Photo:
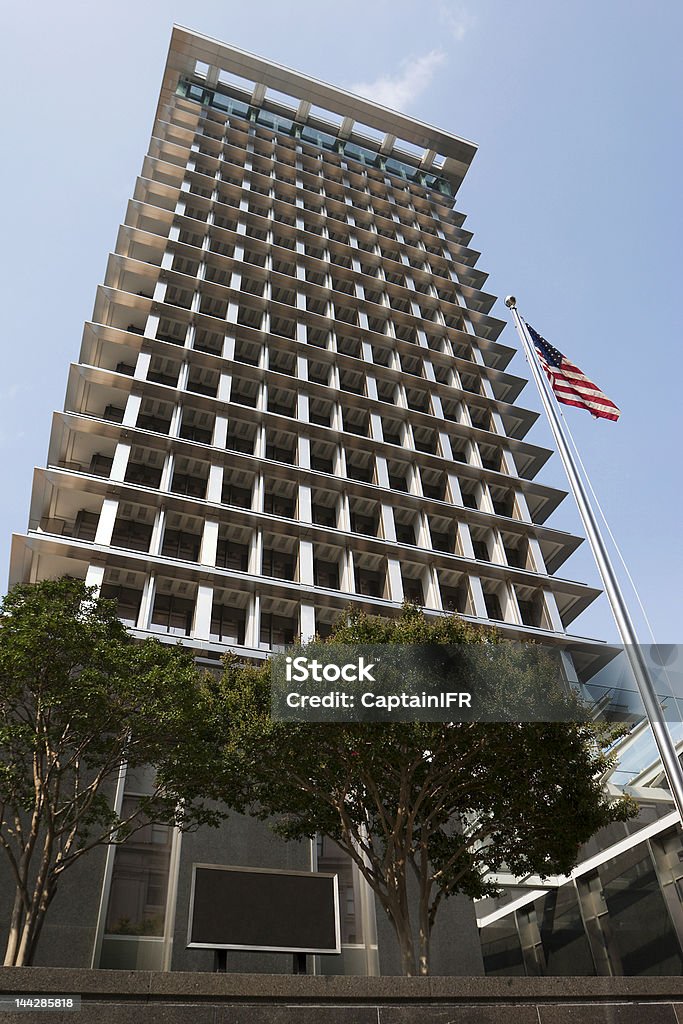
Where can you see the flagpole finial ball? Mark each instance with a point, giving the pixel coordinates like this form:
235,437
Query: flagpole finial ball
511,302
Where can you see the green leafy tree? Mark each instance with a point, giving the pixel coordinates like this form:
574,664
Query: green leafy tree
445,803
79,698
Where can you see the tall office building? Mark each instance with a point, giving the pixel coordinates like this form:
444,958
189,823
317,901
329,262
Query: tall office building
290,399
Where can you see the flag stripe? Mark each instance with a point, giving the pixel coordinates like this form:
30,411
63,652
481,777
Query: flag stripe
594,398
570,385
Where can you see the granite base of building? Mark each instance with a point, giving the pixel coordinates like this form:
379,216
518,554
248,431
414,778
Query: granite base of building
146,997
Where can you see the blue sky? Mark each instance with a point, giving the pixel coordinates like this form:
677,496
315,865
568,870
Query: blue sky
574,198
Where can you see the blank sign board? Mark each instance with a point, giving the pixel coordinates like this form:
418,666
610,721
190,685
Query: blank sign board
260,909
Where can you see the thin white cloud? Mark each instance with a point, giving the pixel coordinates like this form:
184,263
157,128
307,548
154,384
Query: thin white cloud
401,90
456,20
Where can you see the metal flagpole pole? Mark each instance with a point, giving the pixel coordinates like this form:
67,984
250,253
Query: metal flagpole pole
665,745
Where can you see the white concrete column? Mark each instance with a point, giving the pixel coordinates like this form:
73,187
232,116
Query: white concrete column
428,367
465,540
157,538
371,388
220,432
142,365
394,580
305,504
406,433
209,545
497,424
105,524
258,496
483,498
337,417
301,331
224,387
454,492
214,489
497,551
432,590
120,462
130,416
343,513
339,467
201,627
147,603
507,462
537,559
569,668
388,524
382,471
167,473
508,602
445,450
252,632
472,453
303,457
306,562
307,622
151,326
553,612
414,481
376,427
260,446
183,376
477,598
423,538
94,577
348,576
521,507
256,553
176,420
435,402
229,345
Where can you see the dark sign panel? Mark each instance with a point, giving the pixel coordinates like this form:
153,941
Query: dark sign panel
262,909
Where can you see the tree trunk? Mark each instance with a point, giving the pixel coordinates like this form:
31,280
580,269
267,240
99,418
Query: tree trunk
38,922
398,910
25,939
16,922
425,936
425,886
404,935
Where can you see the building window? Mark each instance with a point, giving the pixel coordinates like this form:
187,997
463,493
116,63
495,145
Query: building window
172,615
139,886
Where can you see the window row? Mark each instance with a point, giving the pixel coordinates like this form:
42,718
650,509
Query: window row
373,238
374,251
324,408
324,197
238,618
249,436
235,543
416,298
321,369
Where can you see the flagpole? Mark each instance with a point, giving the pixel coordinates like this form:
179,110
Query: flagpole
627,631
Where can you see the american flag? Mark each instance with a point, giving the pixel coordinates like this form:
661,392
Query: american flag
570,385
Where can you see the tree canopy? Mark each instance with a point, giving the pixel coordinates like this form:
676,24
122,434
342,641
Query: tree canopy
448,803
79,697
